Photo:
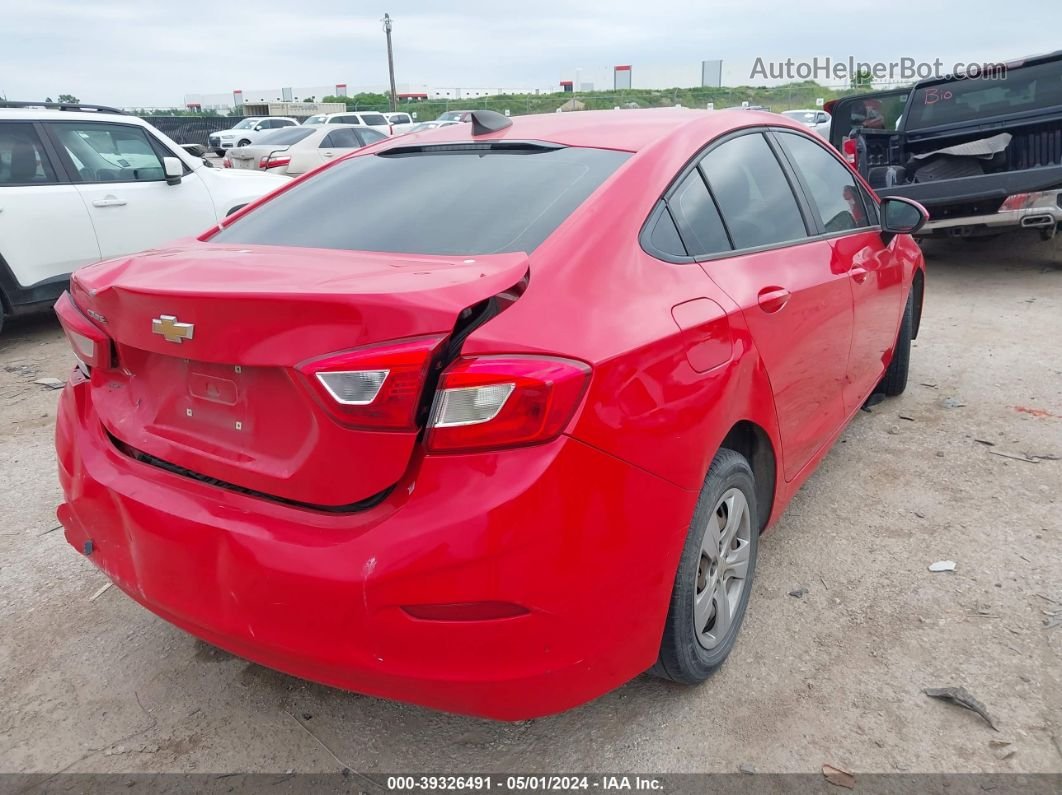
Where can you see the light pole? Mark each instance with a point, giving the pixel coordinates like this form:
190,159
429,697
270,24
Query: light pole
390,61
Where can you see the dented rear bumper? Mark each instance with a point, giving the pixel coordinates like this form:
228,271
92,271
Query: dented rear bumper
585,544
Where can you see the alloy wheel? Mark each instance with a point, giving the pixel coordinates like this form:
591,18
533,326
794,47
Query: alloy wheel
722,571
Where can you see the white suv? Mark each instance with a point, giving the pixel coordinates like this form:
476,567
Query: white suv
371,119
247,132
79,185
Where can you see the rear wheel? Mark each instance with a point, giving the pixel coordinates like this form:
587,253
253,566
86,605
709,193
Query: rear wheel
895,380
714,577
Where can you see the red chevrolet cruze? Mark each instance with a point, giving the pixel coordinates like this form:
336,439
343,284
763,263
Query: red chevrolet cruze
491,418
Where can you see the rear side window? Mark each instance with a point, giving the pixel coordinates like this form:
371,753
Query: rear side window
371,136
22,158
754,196
835,193
288,135
341,138
697,217
452,201
664,237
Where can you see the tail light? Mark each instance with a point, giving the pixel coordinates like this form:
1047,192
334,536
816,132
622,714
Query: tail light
273,161
849,148
376,387
1020,201
226,163
91,346
504,401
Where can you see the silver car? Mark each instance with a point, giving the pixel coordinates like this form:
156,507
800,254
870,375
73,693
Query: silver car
300,149
816,120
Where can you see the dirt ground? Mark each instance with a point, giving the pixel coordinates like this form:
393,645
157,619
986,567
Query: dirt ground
99,685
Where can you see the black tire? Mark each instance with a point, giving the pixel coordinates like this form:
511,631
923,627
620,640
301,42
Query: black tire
219,152
683,658
244,142
895,380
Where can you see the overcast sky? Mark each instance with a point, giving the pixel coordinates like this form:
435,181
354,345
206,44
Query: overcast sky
151,53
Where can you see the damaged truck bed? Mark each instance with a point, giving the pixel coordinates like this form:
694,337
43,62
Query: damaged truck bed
983,155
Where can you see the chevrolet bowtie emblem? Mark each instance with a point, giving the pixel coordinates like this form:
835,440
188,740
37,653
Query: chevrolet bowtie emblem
172,329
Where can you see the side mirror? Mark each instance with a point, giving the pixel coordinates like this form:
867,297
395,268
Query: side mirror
258,127
174,170
900,216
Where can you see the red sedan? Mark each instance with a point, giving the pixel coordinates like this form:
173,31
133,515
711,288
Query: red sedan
491,418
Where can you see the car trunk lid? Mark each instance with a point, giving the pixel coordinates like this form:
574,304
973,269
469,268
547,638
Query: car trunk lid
209,340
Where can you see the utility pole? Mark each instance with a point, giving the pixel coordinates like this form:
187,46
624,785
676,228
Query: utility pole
390,61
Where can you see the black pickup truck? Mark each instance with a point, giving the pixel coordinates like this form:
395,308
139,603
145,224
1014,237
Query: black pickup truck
983,155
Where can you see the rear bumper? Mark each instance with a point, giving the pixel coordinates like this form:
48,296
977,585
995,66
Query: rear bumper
1036,217
586,543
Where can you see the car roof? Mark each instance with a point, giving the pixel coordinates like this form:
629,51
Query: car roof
626,130
68,115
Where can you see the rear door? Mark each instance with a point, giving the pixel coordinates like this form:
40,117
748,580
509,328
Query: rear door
849,219
792,291
45,230
119,174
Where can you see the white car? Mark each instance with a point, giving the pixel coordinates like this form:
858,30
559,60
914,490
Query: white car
400,121
79,186
247,132
431,125
296,151
815,120
370,119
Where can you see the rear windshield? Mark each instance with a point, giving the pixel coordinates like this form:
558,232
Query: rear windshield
373,118
289,135
1026,88
440,202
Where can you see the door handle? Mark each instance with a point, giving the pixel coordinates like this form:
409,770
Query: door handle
859,275
772,299
109,201
327,154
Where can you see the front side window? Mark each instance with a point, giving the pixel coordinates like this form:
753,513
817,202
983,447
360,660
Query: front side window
753,194
22,157
104,152
374,119
834,190
344,120
469,201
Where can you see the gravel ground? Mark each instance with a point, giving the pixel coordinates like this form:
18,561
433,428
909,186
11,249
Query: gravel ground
834,676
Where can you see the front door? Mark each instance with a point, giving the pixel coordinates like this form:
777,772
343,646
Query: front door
124,187
848,218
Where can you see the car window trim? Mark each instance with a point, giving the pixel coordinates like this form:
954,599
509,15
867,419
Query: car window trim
75,175
645,235
807,188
